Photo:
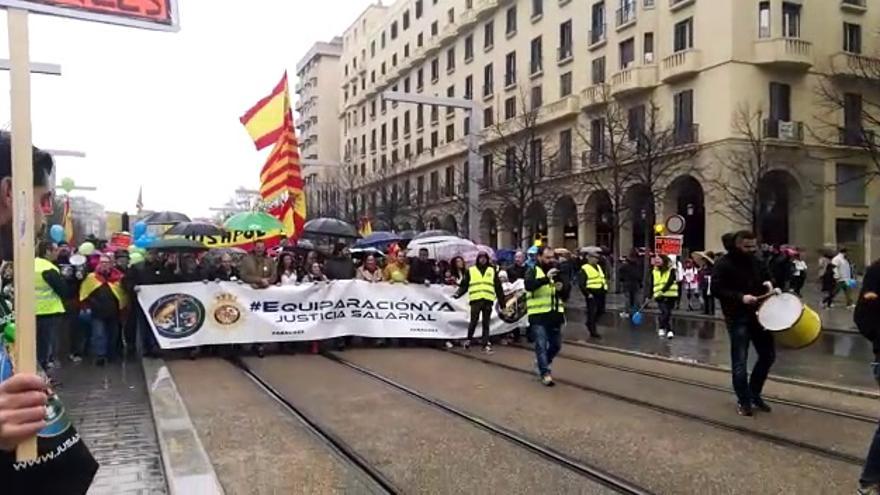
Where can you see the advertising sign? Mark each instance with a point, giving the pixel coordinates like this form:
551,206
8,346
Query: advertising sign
160,15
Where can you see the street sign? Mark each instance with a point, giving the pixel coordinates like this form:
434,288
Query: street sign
160,15
668,245
675,224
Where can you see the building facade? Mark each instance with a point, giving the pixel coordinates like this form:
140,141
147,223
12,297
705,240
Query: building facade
598,87
318,112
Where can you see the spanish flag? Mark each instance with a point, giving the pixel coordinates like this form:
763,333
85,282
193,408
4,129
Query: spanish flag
265,121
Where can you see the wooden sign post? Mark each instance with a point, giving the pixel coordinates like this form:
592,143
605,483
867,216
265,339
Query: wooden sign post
159,15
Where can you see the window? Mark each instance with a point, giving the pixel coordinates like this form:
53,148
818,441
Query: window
469,88
635,124
450,59
565,84
510,69
791,20
764,19
406,86
420,117
488,117
536,157
683,36
372,49
684,117
597,22
420,146
565,150
419,9
509,164
469,48
537,97
435,184
511,21
510,108
852,38
406,127
488,35
435,140
597,141
450,16
435,114
536,64
420,190
466,126
627,53
565,43
488,80
852,133
626,12
780,107
406,50
394,30
487,172
597,71
449,184
382,68
450,93
420,40
384,134
405,20
649,48
851,182
383,40
420,79
373,140
393,60
537,8
434,29
394,130
435,70
450,133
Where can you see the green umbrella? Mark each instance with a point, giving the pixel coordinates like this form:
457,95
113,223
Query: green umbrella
253,220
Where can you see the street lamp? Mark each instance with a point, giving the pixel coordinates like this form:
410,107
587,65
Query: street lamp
475,170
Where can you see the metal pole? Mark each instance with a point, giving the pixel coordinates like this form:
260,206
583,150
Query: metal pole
475,174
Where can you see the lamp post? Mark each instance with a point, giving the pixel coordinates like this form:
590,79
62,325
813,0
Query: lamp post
475,171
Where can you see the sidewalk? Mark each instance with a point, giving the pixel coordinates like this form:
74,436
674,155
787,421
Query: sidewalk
838,318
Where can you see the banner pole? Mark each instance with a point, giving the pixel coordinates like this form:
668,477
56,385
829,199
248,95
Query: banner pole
22,205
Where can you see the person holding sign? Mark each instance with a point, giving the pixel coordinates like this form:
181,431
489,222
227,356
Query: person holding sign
665,293
483,287
593,285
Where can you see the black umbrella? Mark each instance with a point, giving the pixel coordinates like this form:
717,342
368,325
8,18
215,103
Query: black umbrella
433,233
165,218
178,244
331,227
195,229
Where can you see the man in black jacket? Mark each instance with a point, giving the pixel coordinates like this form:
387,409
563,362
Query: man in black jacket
738,280
421,270
517,271
867,319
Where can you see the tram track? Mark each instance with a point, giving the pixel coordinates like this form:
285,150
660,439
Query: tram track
783,441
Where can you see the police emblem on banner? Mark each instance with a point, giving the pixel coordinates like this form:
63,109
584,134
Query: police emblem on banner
227,311
177,316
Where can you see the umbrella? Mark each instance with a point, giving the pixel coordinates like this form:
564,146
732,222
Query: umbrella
331,227
701,254
177,244
366,251
591,250
165,218
377,238
470,257
232,251
433,233
305,244
253,220
441,248
194,229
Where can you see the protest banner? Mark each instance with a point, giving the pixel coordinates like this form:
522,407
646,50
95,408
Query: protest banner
236,238
668,245
195,314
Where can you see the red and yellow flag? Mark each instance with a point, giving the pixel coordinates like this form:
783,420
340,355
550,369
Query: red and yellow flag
366,227
67,221
265,121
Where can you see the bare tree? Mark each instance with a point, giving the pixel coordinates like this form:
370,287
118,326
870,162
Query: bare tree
347,182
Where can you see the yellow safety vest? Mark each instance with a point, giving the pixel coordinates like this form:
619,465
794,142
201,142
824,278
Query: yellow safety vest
482,287
47,301
595,277
543,300
660,279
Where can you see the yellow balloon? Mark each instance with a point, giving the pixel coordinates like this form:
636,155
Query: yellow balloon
659,228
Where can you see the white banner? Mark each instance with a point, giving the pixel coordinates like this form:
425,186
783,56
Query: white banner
194,314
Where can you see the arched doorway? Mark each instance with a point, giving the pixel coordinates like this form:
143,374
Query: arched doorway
536,220
565,223
640,205
778,197
489,228
449,223
685,197
600,213
510,221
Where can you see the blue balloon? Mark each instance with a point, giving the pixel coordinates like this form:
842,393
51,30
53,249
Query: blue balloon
852,283
637,318
140,228
56,232
144,241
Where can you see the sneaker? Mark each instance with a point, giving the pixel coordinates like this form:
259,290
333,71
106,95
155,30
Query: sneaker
595,336
75,359
670,334
448,344
465,344
547,381
743,409
869,490
851,307
623,315
661,333
759,404
487,349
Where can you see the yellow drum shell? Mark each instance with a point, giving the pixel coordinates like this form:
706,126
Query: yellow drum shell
793,324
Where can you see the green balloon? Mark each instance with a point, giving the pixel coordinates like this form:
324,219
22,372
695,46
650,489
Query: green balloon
67,184
136,258
86,248
9,332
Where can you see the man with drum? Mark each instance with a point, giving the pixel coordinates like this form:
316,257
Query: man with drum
740,281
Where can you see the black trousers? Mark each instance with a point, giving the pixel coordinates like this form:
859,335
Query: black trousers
478,308
593,314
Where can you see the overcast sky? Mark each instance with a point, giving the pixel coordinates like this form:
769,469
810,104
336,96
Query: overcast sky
160,110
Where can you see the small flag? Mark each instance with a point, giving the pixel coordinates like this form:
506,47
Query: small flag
140,200
366,227
265,121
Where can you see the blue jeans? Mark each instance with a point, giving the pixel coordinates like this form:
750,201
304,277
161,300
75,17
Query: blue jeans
548,341
105,337
871,471
743,331
48,327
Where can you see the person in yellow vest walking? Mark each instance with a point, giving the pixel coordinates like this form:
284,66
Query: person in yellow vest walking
483,288
102,294
665,293
594,286
545,305
48,303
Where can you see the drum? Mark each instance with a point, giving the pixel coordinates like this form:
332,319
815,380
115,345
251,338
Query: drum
793,323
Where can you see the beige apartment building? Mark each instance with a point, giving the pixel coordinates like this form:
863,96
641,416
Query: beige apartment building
696,63
318,124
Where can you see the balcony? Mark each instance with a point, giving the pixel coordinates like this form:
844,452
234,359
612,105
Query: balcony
625,17
299,87
594,96
466,20
485,8
447,34
675,5
634,79
785,53
597,37
685,134
783,130
844,64
681,65
854,6
857,137
560,109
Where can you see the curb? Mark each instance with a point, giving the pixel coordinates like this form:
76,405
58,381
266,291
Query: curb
188,469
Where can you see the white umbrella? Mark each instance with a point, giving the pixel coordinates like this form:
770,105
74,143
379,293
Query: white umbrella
441,247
